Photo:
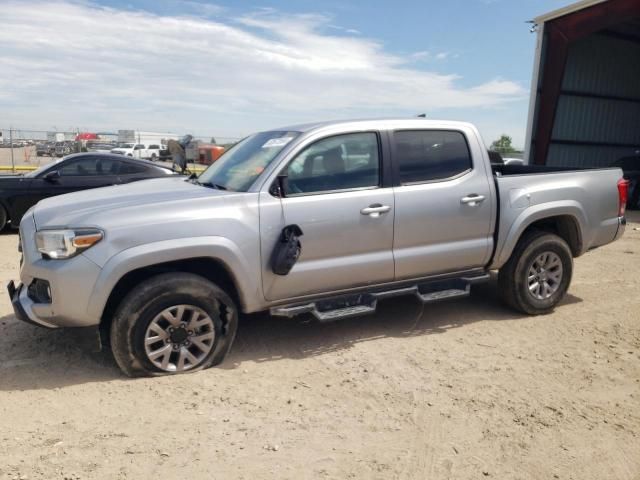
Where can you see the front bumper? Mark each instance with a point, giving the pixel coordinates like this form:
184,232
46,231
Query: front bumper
70,285
22,304
87,337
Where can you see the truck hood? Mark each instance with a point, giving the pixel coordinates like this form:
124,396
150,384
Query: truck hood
108,205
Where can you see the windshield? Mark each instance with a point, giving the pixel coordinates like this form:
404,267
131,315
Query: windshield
239,167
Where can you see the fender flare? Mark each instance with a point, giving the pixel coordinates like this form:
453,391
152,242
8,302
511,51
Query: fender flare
150,254
534,214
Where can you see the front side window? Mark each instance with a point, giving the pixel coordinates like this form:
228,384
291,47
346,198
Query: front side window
342,162
428,155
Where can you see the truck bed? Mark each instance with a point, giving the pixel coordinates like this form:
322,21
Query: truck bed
586,196
533,169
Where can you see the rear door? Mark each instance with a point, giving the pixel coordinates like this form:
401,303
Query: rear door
338,195
443,199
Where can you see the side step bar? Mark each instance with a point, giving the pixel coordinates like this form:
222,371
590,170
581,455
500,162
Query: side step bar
354,305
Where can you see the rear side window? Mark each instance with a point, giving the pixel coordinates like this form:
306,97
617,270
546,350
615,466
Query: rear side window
127,168
427,155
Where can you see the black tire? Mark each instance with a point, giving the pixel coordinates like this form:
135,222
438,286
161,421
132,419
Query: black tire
146,302
4,218
513,278
153,157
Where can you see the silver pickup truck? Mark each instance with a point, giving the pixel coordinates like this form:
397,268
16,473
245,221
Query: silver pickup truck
324,220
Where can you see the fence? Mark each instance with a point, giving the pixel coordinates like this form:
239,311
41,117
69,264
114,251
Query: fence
26,149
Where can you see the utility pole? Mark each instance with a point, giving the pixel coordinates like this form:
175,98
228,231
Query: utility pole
13,164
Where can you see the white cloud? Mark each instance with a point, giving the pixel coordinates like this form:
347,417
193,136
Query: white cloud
201,8
97,67
421,55
442,55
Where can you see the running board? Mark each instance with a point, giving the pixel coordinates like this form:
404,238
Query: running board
355,305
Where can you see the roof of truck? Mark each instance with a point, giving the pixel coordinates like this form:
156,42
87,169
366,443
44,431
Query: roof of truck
412,122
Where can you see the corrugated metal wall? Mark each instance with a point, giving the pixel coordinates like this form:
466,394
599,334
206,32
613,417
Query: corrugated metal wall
598,66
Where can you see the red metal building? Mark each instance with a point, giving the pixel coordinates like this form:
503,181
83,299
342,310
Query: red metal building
585,99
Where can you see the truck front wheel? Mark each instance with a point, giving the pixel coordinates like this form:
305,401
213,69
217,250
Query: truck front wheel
173,323
538,273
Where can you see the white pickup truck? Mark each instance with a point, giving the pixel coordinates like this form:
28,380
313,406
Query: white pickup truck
139,150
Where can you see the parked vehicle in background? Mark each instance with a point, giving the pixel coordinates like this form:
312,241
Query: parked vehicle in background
129,149
99,147
139,150
46,149
65,148
153,152
75,172
209,153
323,219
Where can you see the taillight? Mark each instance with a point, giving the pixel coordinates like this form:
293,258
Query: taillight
623,196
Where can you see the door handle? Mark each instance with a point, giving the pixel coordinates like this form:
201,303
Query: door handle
472,200
375,210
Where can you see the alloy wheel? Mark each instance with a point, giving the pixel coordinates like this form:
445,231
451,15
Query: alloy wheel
179,338
545,275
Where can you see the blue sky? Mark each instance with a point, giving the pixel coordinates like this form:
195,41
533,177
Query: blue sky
229,68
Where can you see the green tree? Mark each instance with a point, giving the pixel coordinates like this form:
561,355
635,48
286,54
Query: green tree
503,144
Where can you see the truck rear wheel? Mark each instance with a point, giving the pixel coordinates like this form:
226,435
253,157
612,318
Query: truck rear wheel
538,273
173,323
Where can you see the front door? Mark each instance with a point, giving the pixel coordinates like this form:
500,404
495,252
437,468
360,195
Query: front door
335,195
444,207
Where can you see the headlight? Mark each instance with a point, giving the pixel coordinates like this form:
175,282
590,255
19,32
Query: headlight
58,244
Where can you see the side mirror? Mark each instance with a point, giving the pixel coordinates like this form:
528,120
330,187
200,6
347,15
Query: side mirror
52,176
280,186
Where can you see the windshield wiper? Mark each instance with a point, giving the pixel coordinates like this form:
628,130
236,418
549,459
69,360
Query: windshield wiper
211,185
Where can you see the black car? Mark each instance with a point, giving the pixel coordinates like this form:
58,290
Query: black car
75,172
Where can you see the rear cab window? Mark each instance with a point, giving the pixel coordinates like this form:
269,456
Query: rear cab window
430,155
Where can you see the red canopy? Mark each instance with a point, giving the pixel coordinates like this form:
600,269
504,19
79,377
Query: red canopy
86,136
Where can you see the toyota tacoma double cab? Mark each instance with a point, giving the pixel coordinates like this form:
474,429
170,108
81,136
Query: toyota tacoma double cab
322,219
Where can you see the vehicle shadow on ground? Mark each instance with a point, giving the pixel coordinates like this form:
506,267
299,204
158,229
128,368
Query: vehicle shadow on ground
262,338
35,358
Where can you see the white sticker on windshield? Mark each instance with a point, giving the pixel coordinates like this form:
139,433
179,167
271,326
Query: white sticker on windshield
277,142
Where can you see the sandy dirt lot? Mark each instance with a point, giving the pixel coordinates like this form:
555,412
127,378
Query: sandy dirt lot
462,389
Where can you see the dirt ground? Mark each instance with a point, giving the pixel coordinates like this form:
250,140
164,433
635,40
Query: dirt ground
461,389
